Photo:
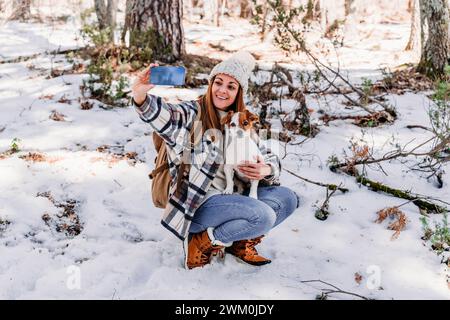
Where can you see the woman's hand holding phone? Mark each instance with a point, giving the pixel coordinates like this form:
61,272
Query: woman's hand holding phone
141,84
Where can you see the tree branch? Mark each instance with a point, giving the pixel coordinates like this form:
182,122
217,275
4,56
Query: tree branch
325,185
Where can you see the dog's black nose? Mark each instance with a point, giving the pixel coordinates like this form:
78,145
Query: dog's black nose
232,124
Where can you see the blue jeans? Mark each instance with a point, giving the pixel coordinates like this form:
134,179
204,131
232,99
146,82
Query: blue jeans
237,217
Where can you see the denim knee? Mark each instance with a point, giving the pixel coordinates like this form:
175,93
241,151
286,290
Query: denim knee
263,217
289,198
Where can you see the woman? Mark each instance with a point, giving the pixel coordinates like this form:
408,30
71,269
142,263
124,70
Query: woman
197,212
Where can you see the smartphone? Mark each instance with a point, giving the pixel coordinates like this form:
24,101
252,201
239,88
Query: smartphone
167,76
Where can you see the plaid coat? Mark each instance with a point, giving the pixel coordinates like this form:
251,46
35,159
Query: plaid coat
173,123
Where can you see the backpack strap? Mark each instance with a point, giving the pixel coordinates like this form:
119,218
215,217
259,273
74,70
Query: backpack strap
154,172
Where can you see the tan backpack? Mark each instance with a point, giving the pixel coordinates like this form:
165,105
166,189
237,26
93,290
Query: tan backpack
160,176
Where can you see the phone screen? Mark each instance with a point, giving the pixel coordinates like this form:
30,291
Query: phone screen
167,76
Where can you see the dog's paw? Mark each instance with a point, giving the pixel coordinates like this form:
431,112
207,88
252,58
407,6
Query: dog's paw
253,195
227,191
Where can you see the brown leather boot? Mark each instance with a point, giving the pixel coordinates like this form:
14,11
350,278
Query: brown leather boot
246,251
198,250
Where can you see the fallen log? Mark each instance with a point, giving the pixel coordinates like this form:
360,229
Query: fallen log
420,201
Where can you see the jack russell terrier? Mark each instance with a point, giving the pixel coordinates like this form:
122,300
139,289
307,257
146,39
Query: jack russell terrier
240,145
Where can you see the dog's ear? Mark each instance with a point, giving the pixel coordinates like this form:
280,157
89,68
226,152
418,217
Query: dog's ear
251,117
226,119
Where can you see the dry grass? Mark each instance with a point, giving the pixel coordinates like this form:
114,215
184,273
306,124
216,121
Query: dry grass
56,116
67,220
393,213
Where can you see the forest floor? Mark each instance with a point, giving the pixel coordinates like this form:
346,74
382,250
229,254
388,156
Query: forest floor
75,197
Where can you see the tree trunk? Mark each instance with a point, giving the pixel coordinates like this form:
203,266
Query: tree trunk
264,22
20,10
158,24
126,25
348,7
435,52
324,15
100,10
415,21
111,13
106,15
218,11
246,9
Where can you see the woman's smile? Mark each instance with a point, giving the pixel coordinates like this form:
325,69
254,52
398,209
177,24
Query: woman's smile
224,91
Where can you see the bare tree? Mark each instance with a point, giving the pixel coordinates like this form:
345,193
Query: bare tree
348,5
330,12
106,15
20,10
246,9
435,51
159,22
126,25
106,12
415,21
220,6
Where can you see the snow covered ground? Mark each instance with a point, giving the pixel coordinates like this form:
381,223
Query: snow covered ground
123,252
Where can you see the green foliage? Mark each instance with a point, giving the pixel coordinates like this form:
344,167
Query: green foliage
106,82
85,14
282,20
439,235
439,111
367,89
149,45
14,146
120,87
333,160
99,37
387,78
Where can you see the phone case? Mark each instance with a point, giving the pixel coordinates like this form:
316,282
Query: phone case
167,76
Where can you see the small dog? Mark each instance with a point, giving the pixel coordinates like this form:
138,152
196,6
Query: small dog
240,145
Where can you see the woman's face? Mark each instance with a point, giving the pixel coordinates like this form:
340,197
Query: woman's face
224,91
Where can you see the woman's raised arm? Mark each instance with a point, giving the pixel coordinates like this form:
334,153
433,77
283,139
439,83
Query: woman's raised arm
170,121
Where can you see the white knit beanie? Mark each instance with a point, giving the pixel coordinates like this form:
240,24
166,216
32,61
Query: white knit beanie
239,66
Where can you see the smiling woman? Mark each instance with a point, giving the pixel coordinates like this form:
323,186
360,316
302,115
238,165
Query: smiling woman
224,91
200,209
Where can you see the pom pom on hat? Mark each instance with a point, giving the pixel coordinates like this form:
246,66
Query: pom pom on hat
239,66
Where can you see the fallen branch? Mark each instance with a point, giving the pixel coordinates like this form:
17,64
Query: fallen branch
326,292
325,185
393,155
322,213
418,127
417,199
371,120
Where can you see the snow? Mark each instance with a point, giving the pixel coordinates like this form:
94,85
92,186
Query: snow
124,253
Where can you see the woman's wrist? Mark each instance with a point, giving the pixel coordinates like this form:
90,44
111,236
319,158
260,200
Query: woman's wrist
269,170
139,100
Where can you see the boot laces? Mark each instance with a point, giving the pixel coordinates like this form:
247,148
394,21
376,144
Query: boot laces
250,246
217,252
